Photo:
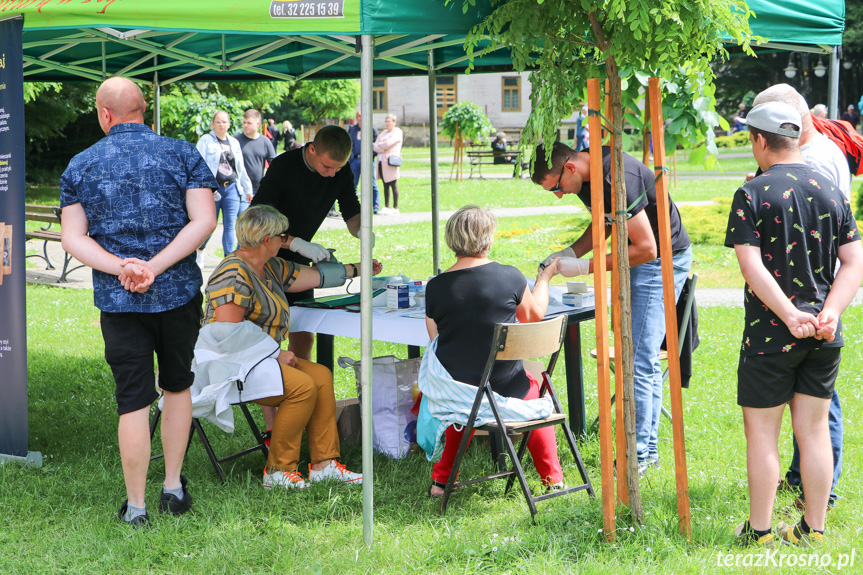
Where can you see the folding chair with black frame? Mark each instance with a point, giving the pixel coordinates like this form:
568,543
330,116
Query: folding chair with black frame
517,341
217,462
683,321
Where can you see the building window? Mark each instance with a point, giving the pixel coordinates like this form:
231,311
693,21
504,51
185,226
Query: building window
447,94
511,94
379,95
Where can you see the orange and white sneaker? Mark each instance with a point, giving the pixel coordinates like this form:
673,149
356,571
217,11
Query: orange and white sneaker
286,479
337,471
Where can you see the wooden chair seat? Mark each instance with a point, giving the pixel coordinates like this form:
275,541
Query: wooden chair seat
514,427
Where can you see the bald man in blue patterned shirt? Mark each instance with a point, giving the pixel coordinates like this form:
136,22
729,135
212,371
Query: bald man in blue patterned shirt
135,207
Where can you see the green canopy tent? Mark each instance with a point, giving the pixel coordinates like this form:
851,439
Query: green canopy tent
164,41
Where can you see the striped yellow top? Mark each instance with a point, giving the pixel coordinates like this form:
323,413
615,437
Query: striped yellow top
264,299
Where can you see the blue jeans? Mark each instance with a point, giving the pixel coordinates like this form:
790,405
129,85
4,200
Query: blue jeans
834,420
231,205
648,331
355,167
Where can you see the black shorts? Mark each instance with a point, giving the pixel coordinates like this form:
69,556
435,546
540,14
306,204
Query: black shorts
132,338
770,380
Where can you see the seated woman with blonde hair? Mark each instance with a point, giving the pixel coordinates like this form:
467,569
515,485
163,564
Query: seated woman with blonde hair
463,304
249,286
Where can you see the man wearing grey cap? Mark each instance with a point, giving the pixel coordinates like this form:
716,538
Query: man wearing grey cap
788,226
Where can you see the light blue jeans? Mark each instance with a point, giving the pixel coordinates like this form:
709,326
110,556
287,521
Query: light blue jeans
231,205
648,331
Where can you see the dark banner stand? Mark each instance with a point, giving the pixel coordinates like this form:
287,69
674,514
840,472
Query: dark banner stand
13,313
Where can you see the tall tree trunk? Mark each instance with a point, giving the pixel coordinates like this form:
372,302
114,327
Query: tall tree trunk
624,356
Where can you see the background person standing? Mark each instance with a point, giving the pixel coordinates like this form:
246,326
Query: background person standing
257,150
224,157
355,132
388,146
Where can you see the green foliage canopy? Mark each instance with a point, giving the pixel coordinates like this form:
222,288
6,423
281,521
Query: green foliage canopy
469,119
188,114
327,98
567,41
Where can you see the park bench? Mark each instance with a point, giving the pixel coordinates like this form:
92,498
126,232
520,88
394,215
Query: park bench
48,216
480,158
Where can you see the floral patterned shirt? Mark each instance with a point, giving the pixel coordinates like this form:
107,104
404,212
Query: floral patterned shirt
132,185
799,220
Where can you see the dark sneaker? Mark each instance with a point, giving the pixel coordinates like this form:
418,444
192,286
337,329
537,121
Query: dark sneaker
139,522
793,535
746,536
169,503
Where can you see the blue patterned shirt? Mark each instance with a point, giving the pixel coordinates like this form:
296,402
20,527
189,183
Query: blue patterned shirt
132,185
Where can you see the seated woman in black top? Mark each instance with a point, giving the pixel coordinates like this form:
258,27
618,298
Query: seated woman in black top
463,304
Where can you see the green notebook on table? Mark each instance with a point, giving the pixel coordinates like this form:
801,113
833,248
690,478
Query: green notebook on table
335,301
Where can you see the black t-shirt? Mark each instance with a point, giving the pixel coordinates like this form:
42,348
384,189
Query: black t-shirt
227,172
799,220
255,152
640,195
466,304
305,196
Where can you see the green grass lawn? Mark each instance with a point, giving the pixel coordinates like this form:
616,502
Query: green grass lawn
61,518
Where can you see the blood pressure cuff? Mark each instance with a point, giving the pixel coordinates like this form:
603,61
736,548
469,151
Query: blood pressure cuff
333,274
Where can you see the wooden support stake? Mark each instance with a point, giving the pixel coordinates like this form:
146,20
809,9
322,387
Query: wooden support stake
663,218
603,371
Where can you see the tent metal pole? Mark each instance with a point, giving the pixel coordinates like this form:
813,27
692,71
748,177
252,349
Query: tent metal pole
833,84
157,100
435,202
366,243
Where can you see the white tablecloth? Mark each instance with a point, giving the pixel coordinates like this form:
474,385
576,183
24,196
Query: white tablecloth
405,326
387,325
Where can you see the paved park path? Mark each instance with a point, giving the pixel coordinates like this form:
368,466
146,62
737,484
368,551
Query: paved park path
82,278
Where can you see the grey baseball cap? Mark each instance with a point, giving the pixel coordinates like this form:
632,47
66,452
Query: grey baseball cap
770,116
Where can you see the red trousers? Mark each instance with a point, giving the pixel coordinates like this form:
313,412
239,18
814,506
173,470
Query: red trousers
542,446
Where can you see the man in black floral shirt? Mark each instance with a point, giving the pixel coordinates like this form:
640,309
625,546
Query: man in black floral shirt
788,226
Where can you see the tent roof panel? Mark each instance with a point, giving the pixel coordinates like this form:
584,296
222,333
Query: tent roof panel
258,39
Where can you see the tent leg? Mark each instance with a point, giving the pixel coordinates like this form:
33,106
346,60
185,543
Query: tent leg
435,200
157,100
833,85
366,240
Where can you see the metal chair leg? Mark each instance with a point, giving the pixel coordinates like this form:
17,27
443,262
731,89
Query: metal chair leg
196,424
450,483
522,447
